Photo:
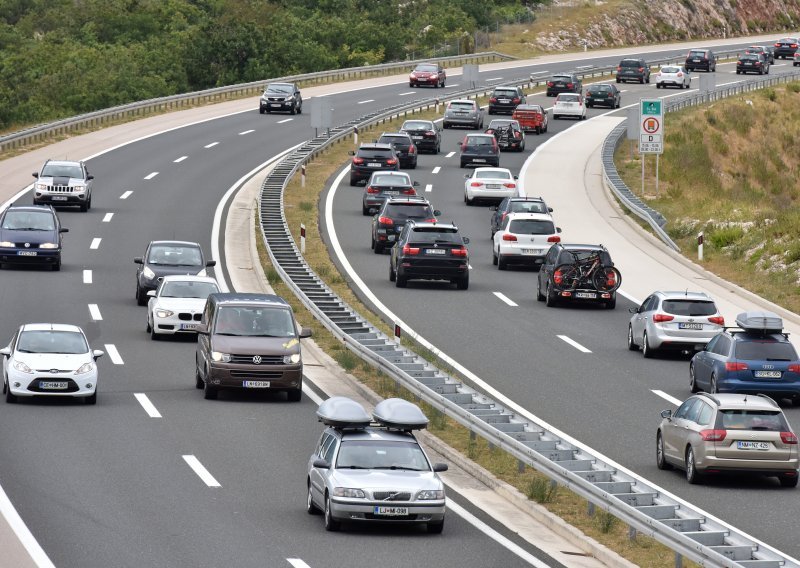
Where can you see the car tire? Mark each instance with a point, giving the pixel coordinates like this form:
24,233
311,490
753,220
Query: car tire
502,263
353,182
311,509
618,81
631,345
494,258
463,282
445,125
153,335
365,211
209,392
692,476
467,200
84,207
294,395
199,383
692,380
411,85
55,267
549,297
463,164
141,297
392,273
10,398
400,281
788,480
437,528
331,524
661,459
148,328
92,398
712,389
647,351
539,295
658,85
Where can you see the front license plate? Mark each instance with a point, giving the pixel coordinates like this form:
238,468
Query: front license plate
374,164
767,374
585,295
255,384
752,445
53,385
435,251
59,197
188,326
27,253
390,511
690,326
275,104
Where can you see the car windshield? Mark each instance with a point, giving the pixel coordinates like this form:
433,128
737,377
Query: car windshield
374,153
368,454
417,125
252,321
279,89
426,68
462,105
61,170
527,207
689,307
392,180
169,255
670,69
51,341
29,221
435,235
187,289
480,140
397,211
531,227
765,420
765,350
567,99
492,174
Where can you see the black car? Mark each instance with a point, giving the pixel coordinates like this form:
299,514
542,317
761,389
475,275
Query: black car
786,47
389,221
31,235
516,205
508,133
281,96
404,147
480,149
426,134
383,185
564,253
604,94
371,158
752,63
430,251
563,83
701,59
506,99
164,258
767,50
633,69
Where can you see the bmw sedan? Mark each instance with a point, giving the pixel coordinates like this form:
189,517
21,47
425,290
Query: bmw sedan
176,306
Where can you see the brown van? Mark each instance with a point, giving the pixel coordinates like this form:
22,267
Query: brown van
249,341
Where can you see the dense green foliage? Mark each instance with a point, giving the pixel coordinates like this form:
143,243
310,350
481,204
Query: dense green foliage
60,58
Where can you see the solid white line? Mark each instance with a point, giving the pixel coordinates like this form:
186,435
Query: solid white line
211,145
107,217
506,299
151,175
87,276
113,354
574,343
436,170
179,160
667,397
201,471
494,79
297,563
404,94
246,132
285,120
451,86
38,555
95,243
94,311
126,195
366,101
428,187
450,154
148,406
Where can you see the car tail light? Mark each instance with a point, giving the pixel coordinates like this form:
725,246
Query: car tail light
619,67
409,191
509,237
554,239
410,250
493,100
777,45
385,220
735,366
713,435
476,184
412,149
515,100
788,438
793,368
658,318
517,134
358,161
570,85
641,69
719,320
430,133
373,190
758,64
391,162
510,185
793,46
460,251
679,74
558,277
503,217
549,83
431,220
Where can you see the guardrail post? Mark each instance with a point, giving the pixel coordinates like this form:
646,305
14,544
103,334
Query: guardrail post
590,508
631,533
520,466
678,560
303,175
355,136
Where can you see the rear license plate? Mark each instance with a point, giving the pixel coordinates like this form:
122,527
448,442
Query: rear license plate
53,385
767,374
532,251
503,101
27,253
481,160
752,445
695,60
188,326
586,295
390,511
416,137
748,64
690,326
435,251
492,186
392,192
59,197
374,164
255,384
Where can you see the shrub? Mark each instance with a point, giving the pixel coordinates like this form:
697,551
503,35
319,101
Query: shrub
272,276
725,236
306,206
771,94
605,521
542,490
347,359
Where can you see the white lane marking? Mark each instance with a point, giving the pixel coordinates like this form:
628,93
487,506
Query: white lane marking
506,299
451,86
667,397
151,175
404,94
179,160
297,563
436,170
211,145
38,555
201,471
87,276
730,83
494,79
366,101
285,120
624,91
94,311
148,406
539,72
428,187
246,132
450,154
107,217
95,243
574,343
126,195
113,354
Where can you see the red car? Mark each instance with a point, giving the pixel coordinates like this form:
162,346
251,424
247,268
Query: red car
532,118
427,74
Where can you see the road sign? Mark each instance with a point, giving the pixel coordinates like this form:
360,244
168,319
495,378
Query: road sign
651,126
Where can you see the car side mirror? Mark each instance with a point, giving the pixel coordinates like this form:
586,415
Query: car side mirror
666,414
439,467
138,260
466,240
151,293
305,332
63,230
36,174
320,463
633,310
550,209
211,263
97,353
516,177
466,176
558,229
89,177
415,183
436,213
5,351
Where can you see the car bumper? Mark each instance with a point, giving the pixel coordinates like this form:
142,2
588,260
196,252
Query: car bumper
498,108
433,511
663,339
173,325
670,82
603,101
530,126
570,112
747,466
61,198
493,194
461,120
275,105
481,159
521,254
19,256
279,377
637,78
24,384
426,81
775,388
432,272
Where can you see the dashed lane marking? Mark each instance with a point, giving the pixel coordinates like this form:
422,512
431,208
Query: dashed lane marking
151,175
179,160
94,312
506,299
126,195
95,243
113,354
148,406
211,145
87,276
574,343
201,471
107,217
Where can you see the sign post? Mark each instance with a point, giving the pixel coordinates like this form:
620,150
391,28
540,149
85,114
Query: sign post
651,132
302,238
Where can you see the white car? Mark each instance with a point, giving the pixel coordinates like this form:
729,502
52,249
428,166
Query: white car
673,76
569,104
49,359
176,306
524,238
493,184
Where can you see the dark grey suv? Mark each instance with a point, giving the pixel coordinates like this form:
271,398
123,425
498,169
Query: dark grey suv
281,97
371,158
633,70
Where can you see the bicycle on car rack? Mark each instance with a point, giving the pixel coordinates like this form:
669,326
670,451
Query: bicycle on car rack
586,272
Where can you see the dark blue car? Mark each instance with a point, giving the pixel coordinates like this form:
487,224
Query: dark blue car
755,358
31,235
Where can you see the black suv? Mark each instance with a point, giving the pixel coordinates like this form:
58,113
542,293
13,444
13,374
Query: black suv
389,221
372,158
786,47
752,63
563,83
163,258
701,59
633,70
506,99
426,134
561,253
281,96
30,234
404,147
430,251
516,205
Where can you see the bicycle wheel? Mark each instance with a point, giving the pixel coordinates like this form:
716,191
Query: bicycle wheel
607,279
565,277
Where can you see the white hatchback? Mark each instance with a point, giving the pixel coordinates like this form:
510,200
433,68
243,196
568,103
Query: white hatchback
176,306
524,238
569,104
673,76
494,184
49,359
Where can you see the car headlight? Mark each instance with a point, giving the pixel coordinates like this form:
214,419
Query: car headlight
348,492
430,495
290,359
22,367
40,186
217,356
149,274
6,244
202,273
48,245
164,313
85,368
79,188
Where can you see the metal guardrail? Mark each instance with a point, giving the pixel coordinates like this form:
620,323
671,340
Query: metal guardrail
644,507
140,109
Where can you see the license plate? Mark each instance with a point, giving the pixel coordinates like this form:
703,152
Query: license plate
752,445
391,192
255,384
748,64
481,160
435,251
27,253
53,385
59,197
390,511
374,164
586,295
492,186
690,326
274,104
504,101
532,251
767,374
417,137
188,326
696,60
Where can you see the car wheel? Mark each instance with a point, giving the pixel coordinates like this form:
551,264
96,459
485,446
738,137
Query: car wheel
353,182
89,203
437,528
691,468
293,110
661,460
294,395
647,351
539,295
84,207
494,258
549,299
713,387
502,263
56,266
692,380
658,85
311,509
92,398
411,85
438,148
631,345
199,383
618,81
467,200
392,273
331,524
364,210
788,480
463,282
209,392
141,297
153,335
10,398
148,329
400,281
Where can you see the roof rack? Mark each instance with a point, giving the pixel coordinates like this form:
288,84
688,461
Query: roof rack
399,414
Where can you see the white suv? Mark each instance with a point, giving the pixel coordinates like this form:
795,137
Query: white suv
524,238
62,182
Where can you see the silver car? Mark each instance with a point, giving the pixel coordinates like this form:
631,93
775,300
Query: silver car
363,472
63,182
684,321
463,112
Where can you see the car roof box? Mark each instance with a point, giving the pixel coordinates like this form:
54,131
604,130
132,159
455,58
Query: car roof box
342,412
399,414
764,322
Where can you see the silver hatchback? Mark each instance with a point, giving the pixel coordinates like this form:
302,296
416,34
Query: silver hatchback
683,321
463,112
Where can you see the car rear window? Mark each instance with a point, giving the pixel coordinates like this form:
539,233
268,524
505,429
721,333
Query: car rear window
630,63
371,153
764,420
531,227
527,207
565,78
408,211
492,174
569,256
390,180
689,307
568,98
480,140
435,235
764,349
417,125
750,57
505,93
600,88
670,69
697,53
462,106
394,139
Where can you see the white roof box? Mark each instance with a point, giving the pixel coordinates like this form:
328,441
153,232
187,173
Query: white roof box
399,414
342,412
764,322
